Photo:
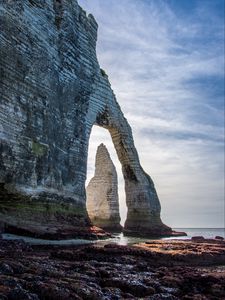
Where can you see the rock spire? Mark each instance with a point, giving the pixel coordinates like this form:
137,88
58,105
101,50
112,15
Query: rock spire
102,193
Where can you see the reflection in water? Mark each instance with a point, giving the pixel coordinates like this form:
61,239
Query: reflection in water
120,239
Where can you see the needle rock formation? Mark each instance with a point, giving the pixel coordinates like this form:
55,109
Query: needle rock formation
52,91
102,193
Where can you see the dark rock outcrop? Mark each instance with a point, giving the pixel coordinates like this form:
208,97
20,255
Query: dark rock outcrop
102,193
159,270
52,91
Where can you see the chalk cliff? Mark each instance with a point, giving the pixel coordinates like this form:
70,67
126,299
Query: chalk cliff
52,91
102,193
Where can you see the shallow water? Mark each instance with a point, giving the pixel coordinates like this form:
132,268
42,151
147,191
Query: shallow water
120,239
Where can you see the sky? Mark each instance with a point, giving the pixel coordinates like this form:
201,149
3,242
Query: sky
165,62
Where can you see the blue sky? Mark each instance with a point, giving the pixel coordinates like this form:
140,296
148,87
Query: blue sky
165,61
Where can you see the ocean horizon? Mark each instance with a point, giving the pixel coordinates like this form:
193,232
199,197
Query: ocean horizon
205,232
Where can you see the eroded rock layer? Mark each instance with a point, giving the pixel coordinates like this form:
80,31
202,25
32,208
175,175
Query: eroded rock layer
102,193
52,91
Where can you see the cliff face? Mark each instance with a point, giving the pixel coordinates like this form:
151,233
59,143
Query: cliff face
102,193
52,91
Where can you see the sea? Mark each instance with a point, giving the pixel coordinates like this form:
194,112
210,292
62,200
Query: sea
120,239
205,232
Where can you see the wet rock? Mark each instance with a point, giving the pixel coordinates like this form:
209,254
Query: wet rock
136,288
195,297
218,290
162,296
220,238
105,273
112,293
172,281
87,292
51,291
197,238
128,296
6,269
21,294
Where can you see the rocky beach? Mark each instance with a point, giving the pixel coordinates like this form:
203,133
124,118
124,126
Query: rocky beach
166,269
52,93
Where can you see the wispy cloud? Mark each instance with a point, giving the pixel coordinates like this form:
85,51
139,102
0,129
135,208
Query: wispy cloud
165,61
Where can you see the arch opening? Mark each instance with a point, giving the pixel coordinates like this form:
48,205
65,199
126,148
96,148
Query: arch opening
98,136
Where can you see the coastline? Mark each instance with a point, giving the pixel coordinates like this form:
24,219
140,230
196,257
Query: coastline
102,237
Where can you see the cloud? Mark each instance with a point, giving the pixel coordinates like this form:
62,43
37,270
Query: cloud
165,61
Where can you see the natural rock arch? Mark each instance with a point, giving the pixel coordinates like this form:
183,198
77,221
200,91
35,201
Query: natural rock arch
143,205
52,92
